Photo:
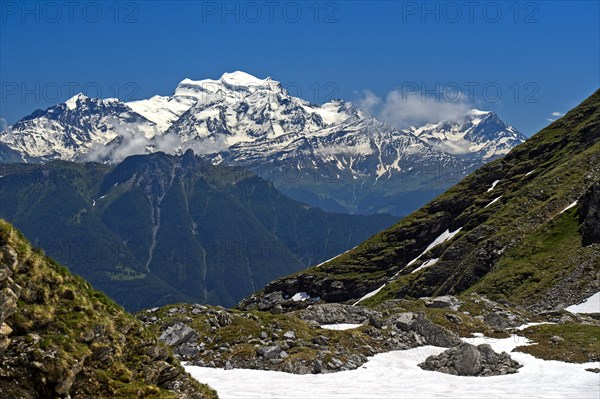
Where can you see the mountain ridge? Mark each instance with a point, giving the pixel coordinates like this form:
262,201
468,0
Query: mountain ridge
241,120
158,228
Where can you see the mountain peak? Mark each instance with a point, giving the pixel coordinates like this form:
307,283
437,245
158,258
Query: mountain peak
477,112
242,79
73,101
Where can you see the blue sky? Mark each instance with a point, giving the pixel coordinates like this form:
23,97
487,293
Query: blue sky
523,60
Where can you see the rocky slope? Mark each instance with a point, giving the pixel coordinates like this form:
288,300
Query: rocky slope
329,337
61,339
332,155
523,229
157,229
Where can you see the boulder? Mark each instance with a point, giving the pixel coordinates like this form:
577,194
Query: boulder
177,334
441,302
269,352
431,333
469,360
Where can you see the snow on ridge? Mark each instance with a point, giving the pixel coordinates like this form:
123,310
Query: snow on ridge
369,295
71,103
494,184
569,207
445,236
430,262
493,201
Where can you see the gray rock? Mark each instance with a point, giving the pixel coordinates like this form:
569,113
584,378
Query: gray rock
269,352
452,318
177,334
555,339
289,335
468,360
432,333
446,301
334,313
317,367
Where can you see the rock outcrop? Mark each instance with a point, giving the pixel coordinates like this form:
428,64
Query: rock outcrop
589,212
60,339
469,360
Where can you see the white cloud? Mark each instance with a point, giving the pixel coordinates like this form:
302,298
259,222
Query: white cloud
5,128
131,140
556,113
369,101
551,120
403,110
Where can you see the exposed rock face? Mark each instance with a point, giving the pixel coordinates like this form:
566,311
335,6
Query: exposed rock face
332,313
177,334
446,301
428,333
9,293
590,215
60,339
469,360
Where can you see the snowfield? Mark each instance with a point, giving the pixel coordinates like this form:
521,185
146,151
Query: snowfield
396,375
590,305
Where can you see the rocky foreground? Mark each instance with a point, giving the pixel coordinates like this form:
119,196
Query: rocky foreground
302,341
61,339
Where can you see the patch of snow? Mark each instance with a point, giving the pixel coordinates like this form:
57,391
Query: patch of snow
445,236
528,173
590,305
493,186
569,207
397,375
300,297
527,325
493,201
369,295
340,326
430,262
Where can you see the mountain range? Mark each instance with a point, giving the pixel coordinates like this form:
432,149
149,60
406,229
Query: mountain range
333,155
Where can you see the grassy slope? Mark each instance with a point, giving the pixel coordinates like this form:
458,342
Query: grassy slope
564,161
61,309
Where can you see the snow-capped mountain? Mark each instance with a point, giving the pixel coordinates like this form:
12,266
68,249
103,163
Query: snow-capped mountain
72,130
478,134
242,120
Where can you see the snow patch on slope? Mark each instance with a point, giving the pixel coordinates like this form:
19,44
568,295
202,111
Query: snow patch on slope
590,305
396,375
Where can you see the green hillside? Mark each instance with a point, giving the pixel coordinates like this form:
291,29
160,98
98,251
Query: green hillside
515,242
158,229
